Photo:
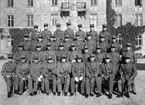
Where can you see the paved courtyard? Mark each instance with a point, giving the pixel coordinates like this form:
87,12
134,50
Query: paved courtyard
41,99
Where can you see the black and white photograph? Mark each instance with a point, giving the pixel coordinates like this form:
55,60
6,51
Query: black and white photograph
72,52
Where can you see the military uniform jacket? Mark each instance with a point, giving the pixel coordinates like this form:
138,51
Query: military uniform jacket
107,36
19,54
34,36
128,70
27,45
60,53
49,69
79,44
41,56
94,35
92,69
108,69
36,70
69,32
59,34
104,46
63,69
131,55
117,46
67,45
73,54
78,69
8,69
81,33
86,56
50,53
23,70
46,34
91,44
54,44
100,56
42,44
115,56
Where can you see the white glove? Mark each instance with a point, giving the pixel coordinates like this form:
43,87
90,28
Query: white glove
8,76
39,79
41,76
73,61
81,78
76,79
23,79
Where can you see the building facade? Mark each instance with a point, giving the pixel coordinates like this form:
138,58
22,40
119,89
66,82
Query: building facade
26,13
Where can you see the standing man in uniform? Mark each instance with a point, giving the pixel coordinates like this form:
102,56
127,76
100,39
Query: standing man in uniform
78,76
93,33
63,75
69,32
104,43
59,34
80,32
8,73
46,33
128,72
106,33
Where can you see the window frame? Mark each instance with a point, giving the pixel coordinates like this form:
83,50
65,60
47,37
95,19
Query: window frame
94,2
30,20
138,4
119,39
139,41
10,3
118,20
30,3
10,21
54,18
54,2
93,19
118,3
137,19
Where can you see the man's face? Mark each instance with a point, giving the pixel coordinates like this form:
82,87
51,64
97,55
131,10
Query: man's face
102,39
112,49
26,38
98,50
79,60
10,60
92,59
20,48
35,60
58,28
48,47
69,26
128,48
86,50
50,61
105,28
114,40
63,60
91,28
127,60
61,48
66,39
73,48
40,39
89,37
107,60
23,60
80,28
36,29
46,27
38,49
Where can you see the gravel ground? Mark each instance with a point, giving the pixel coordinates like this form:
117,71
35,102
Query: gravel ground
41,99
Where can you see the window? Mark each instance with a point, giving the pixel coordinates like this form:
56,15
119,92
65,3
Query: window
54,2
10,3
30,21
64,14
53,19
10,20
94,19
30,3
118,2
118,21
138,2
138,20
119,39
82,14
139,40
94,2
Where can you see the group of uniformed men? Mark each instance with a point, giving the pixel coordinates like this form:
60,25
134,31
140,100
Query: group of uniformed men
67,62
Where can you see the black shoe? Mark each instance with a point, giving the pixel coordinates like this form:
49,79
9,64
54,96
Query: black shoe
83,94
31,94
54,93
47,93
133,92
58,94
42,91
86,96
9,95
16,92
35,93
127,95
110,96
99,95
91,95
65,93
72,94
119,95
